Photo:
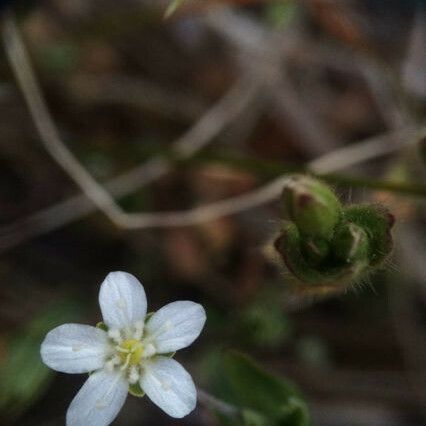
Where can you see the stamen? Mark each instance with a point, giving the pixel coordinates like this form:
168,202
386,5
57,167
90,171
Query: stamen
128,356
115,335
126,364
139,326
110,364
122,350
133,375
149,351
128,333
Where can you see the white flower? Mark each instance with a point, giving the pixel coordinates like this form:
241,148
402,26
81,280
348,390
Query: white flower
133,354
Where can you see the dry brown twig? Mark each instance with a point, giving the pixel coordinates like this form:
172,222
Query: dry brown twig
202,132
137,92
210,124
20,63
264,53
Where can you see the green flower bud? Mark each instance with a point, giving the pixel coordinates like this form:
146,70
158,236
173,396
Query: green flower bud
312,206
350,244
327,247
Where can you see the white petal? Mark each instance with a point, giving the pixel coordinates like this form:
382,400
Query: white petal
169,386
99,400
176,325
122,299
75,348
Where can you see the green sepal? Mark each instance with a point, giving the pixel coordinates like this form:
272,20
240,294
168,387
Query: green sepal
148,316
288,245
136,390
377,222
350,244
23,376
315,250
102,326
169,354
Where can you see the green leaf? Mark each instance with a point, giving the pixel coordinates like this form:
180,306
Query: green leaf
23,376
255,388
263,395
252,418
228,420
294,413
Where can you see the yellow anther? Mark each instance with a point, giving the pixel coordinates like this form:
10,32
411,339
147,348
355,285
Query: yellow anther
130,352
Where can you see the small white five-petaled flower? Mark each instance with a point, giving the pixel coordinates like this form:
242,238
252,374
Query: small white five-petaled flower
134,353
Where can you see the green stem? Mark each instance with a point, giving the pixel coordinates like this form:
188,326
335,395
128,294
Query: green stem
268,170
403,188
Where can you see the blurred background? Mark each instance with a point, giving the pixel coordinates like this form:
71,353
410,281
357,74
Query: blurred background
212,104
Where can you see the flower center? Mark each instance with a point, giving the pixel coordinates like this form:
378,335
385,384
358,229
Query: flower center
130,352
129,349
